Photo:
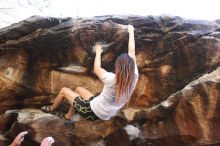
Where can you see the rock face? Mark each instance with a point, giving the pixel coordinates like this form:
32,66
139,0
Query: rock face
193,113
174,101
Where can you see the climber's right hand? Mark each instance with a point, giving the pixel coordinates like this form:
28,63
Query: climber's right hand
130,28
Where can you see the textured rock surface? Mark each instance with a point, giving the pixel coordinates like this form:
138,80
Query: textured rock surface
171,52
190,115
41,125
39,56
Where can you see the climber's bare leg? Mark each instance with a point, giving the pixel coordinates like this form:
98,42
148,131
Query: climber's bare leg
70,113
64,93
84,93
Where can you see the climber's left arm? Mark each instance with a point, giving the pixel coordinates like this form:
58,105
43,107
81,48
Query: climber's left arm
99,71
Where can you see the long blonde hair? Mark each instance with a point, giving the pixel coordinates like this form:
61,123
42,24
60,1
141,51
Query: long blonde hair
124,71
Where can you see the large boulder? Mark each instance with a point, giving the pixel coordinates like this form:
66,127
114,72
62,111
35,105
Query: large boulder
39,56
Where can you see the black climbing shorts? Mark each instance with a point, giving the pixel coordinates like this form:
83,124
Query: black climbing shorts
83,107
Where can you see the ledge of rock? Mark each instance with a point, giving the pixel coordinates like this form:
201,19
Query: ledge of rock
176,101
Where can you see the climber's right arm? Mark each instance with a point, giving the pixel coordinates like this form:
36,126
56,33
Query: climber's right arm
131,42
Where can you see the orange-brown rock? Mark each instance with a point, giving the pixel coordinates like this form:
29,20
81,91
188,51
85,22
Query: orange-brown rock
39,56
189,116
35,53
40,125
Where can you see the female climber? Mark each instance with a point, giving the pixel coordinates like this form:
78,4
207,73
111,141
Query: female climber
117,89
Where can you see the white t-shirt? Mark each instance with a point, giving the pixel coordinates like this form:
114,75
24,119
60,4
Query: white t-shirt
104,105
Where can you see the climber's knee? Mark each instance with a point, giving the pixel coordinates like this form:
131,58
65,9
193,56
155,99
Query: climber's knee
69,94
